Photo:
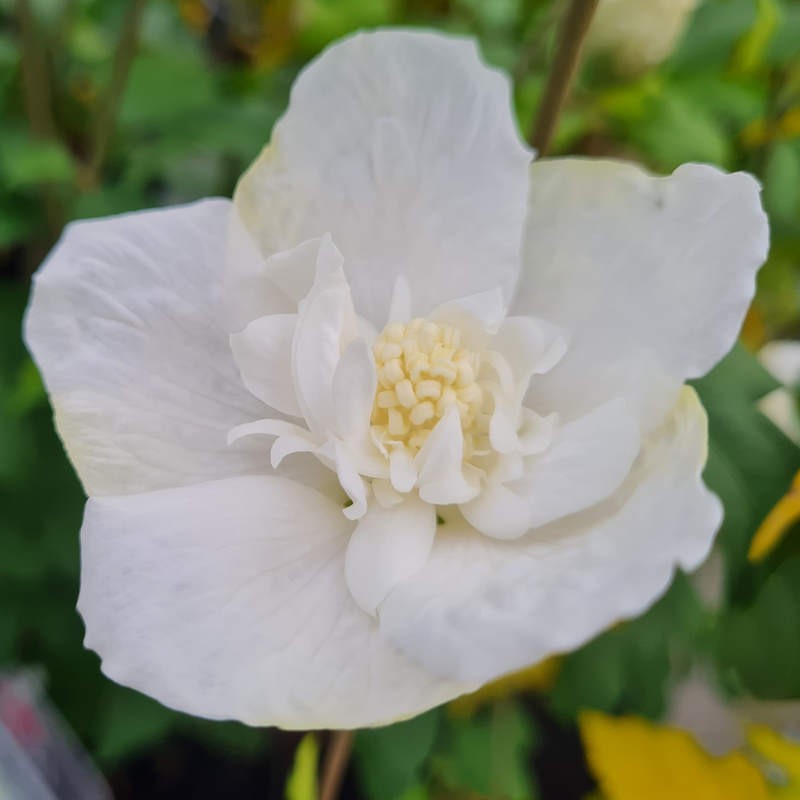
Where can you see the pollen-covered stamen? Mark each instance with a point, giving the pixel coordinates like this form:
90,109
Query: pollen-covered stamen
422,372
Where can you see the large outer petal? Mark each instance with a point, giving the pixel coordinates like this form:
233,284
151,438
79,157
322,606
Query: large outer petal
644,272
483,607
402,145
123,326
228,600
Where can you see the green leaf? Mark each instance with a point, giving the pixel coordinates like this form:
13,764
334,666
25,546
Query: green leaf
711,36
417,792
490,754
89,42
749,53
18,219
751,463
782,182
302,782
8,60
26,162
27,391
163,87
625,669
389,760
232,738
676,129
323,21
782,46
16,455
738,380
130,723
733,102
758,645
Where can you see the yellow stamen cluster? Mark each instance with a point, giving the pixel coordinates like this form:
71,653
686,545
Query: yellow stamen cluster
423,371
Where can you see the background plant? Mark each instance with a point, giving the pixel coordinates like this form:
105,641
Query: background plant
114,105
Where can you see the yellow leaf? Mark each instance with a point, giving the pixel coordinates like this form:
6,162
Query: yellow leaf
777,523
195,14
754,329
302,781
770,745
749,53
789,124
760,131
633,759
537,678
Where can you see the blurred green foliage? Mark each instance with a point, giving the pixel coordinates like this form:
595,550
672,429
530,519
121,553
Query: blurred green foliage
198,97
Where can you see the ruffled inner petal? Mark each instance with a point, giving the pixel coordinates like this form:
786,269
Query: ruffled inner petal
587,461
387,547
263,353
443,477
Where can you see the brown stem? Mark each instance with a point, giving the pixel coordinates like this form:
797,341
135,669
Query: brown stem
568,54
38,98
335,764
123,59
36,87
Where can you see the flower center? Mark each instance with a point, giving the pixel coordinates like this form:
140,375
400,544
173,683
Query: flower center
422,372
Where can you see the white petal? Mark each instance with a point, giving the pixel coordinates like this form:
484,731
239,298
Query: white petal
256,286
648,272
351,480
326,326
401,303
228,600
289,444
780,408
293,271
782,359
263,353
504,423
481,608
123,325
385,494
290,438
587,461
388,546
536,432
354,383
513,429
266,427
498,512
402,145
488,309
530,346
247,291
442,478
402,470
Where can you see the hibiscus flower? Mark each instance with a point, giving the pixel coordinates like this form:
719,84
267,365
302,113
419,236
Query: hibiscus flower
407,414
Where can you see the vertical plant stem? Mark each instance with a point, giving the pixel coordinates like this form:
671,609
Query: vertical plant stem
571,37
37,95
36,88
107,115
335,764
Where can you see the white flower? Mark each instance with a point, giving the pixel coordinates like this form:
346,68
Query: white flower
639,34
782,359
380,430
